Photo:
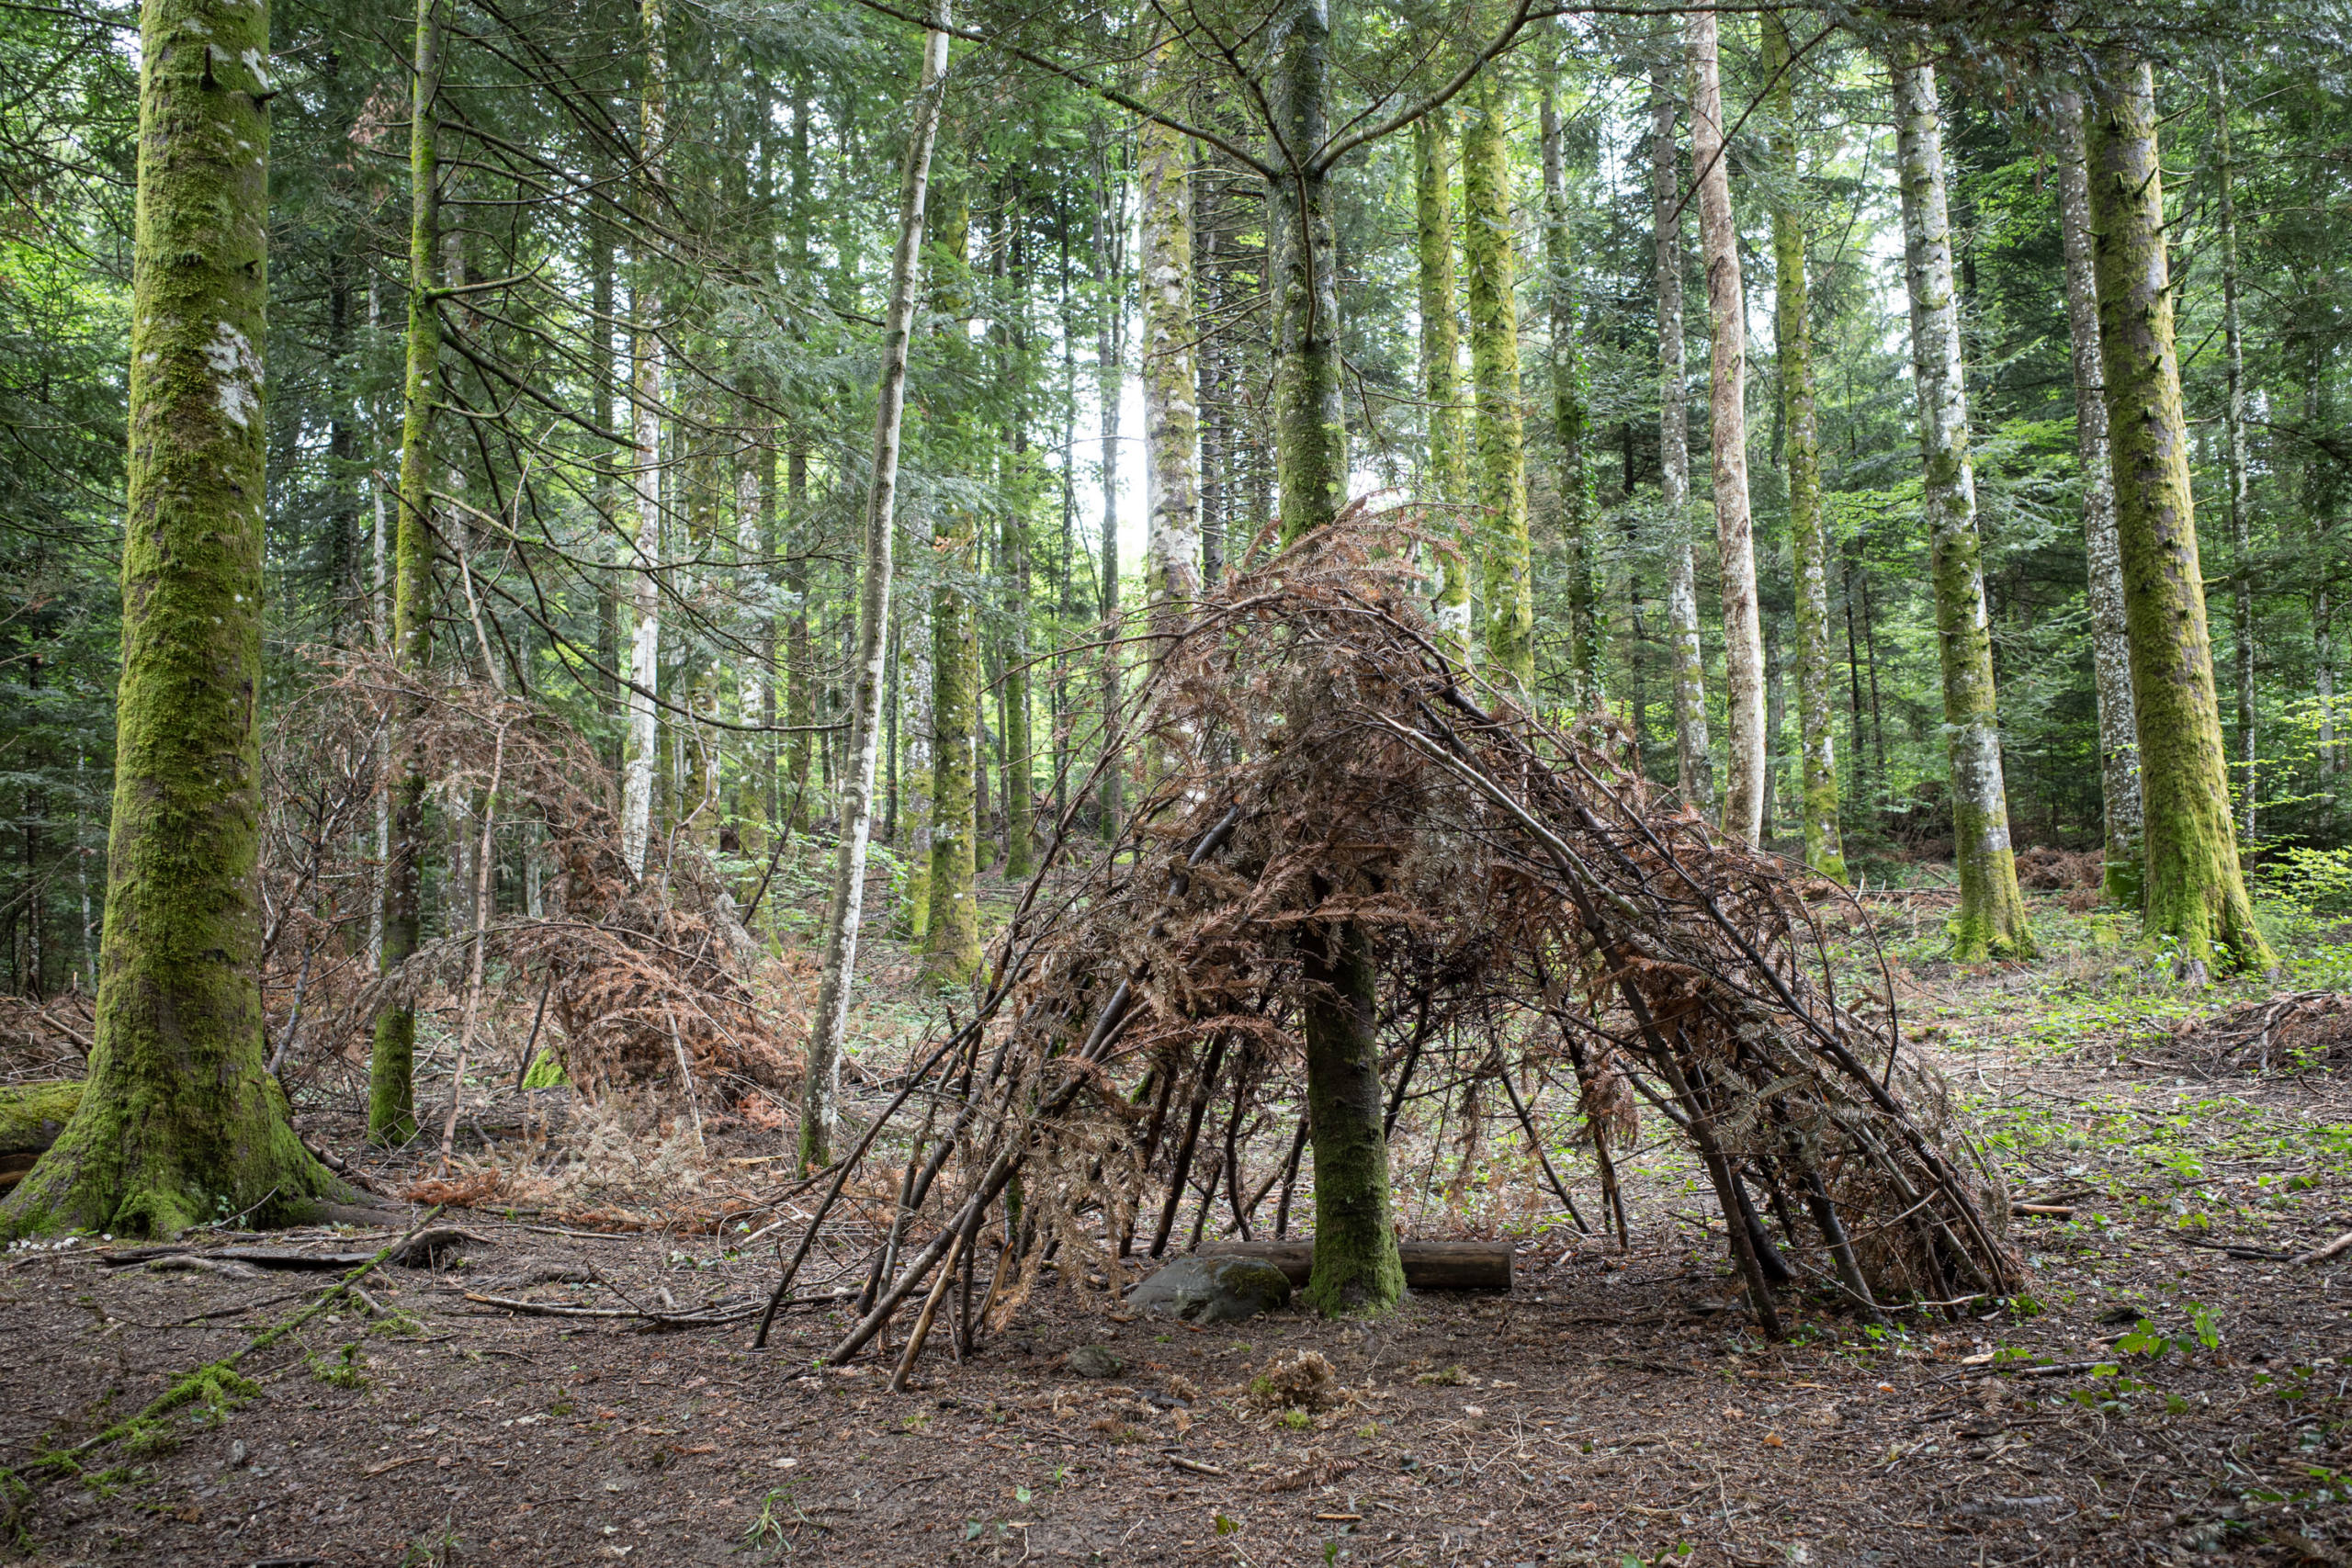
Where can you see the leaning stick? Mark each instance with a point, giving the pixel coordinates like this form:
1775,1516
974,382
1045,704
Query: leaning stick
929,1309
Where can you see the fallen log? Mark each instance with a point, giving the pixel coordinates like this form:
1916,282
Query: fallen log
1428,1265
417,1250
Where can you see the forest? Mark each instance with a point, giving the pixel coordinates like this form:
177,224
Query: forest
1221,780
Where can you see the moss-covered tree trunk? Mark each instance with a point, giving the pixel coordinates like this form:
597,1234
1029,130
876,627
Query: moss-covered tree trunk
1356,1266
1499,442
1694,763
1747,777
952,929
1571,416
821,1094
392,1095
179,1120
1171,410
1801,442
2195,896
1449,472
2118,744
1991,918
1109,354
915,656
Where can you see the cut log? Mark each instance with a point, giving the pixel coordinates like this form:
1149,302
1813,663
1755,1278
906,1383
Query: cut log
1428,1265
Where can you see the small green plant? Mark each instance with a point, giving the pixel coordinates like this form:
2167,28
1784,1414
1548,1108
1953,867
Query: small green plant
1444,1377
767,1527
1227,1526
346,1368
1297,1420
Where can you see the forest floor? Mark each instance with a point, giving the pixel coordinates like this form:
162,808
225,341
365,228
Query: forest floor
2157,1397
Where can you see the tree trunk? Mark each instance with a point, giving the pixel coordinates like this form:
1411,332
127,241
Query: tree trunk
1448,481
1356,1267
641,749
2195,895
1110,381
1171,414
2234,436
1992,919
1694,765
952,929
391,1093
1498,466
1020,803
1801,441
179,1122
1745,778
2119,746
1571,418
820,1100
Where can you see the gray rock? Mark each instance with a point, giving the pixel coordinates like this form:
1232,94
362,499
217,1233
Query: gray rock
1214,1290
1093,1362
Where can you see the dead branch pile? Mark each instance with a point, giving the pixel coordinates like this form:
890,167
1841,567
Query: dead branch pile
1329,790
2300,1031
624,977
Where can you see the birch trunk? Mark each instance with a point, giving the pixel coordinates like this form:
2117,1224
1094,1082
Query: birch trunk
1746,778
1694,764
179,1122
641,747
1991,918
1356,1267
2195,897
820,1100
1171,412
1571,418
392,1063
1498,466
2234,436
1801,440
1448,482
2118,745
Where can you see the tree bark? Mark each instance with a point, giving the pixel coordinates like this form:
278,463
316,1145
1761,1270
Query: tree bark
391,1094
1171,412
2233,438
1111,384
179,1122
1801,441
1356,1267
1571,417
1991,918
820,1100
1498,466
641,749
1745,779
952,929
2195,897
1447,484
2118,745
1694,764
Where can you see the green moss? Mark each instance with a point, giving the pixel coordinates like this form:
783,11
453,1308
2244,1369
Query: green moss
546,1072
1500,462
1448,480
32,1114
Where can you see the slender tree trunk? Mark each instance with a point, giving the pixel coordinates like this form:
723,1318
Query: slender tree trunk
179,1123
1448,483
1020,748
1356,1266
641,747
2195,896
1694,764
2118,745
1801,441
1171,414
820,1101
1498,464
1571,418
1111,382
952,929
2234,436
1745,779
1992,918
391,1094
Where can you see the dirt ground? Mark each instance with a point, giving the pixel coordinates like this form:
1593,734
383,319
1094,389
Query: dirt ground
2157,1398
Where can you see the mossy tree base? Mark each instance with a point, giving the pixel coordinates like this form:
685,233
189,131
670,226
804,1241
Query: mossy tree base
1357,1270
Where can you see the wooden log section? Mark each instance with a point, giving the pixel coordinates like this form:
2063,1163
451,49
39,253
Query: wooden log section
1428,1265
